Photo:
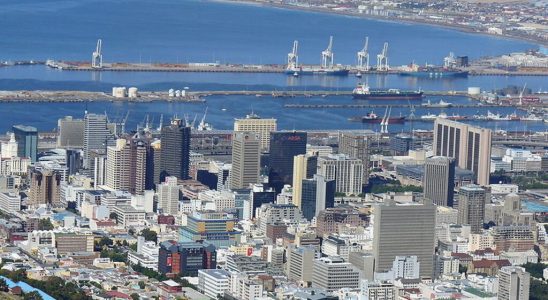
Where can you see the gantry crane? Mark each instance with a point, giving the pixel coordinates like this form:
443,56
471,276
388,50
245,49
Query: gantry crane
363,57
327,55
97,56
382,59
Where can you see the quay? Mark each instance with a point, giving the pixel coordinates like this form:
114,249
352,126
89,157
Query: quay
323,106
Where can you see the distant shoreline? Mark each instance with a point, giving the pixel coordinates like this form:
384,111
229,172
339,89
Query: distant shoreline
460,28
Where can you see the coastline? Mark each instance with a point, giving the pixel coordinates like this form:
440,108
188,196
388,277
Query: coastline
455,27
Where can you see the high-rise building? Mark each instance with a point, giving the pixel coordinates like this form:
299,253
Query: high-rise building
175,148
137,166
300,263
472,207
259,196
245,160
98,168
126,166
216,228
168,196
253,123
404,230
45,186
304,167
185,259
284,146
333,273
71,132
73,160
317,195
346,171
356,145
469,145
97,136
514,283
10,148
439,180
27,141
154,163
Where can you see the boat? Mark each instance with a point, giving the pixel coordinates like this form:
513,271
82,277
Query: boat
375,119
531,118
433,72
333,71
359,74
362,91
513,117
457,117
441,104
429,117
491,117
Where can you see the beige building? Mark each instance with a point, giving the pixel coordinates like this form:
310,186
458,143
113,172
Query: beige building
346,171
45,186
304,167
469,145
168,196
73,242
245,159
472,207
356,145
117,175
514,283
300,264
254,123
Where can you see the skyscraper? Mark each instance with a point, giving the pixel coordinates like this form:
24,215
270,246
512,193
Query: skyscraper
317,195
356,145
126,166
27,141
514,283
254,123
404,230
168,196
283,147
175,148
45,187
10,148
469,145
71,132
245,159
472,207
304,167
439,180
346,171
97,136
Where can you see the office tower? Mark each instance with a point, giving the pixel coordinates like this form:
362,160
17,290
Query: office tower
253,123
137,166
283,147
300,263
469,145
216,228
185,259
439,180
154,164
514,283
245,160
304,167
401,143
117,175
27,141
71,132
317,195
168,196
356,145
9,148
98,168
259,196
73,160
333,273
97,136
404,230
175,148
213,283
45,187
472,207
346,171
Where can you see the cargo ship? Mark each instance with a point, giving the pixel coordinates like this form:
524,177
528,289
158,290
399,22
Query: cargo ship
363,92
373,118
433,72
335,71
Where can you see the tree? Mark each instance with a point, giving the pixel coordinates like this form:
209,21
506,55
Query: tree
3,285
45,224
32,296
149,235
134,296
104,241
142,285
113,216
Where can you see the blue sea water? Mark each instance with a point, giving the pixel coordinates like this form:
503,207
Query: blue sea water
205,31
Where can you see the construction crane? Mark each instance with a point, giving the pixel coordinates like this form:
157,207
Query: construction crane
521,94
327,55
293,57
97,56
363,57
382,59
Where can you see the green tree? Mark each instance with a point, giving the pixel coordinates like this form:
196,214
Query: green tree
149,235
45,224
3,285
142,285
113,216
104,241
134,296
32,296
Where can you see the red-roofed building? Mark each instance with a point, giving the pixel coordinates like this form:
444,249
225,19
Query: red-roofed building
117,295
489,267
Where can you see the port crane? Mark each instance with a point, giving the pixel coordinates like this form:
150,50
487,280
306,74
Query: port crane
363,57
97,56
382,59
521,94
327,55
293,57
385,120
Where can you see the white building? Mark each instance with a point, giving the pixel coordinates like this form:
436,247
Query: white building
333,273
168,196
213,282
9,148
10,202
347,172
407,267
522,160
127,215
242,287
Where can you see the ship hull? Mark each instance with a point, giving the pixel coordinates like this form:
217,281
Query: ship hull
435,74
